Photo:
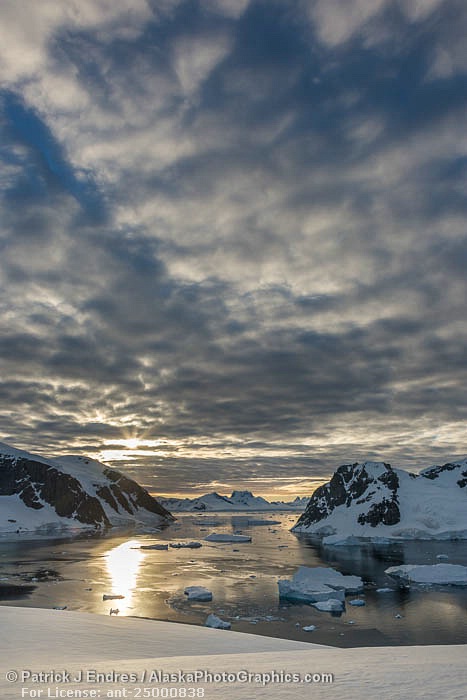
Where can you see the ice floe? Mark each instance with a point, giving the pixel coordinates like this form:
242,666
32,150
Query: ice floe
441,574
186,545
199,593
216,622
311,585
223,537
331,605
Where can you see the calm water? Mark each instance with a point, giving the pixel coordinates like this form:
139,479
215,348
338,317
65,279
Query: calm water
243,579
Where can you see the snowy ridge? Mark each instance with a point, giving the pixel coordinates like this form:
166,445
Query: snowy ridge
46,496
238,501
81,641
371,500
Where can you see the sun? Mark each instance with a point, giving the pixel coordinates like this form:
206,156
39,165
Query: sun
132,443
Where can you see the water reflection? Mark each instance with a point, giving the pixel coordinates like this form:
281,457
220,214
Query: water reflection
123,566
243,580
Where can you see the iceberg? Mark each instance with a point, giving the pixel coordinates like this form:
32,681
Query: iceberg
311,585
331,605
198,593
223,537
216,622
440,574
186,545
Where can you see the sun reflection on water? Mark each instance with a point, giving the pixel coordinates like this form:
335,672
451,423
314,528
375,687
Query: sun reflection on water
123,565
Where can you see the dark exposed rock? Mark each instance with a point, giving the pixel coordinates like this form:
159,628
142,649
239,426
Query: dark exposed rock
356,484
37,483
42,483
384,513
116,490
105,493
434,472
133,496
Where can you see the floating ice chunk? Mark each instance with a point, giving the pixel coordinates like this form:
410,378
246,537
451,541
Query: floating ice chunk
309,628
259,521
342,541
224,537
330,605
357,602
318,583
441,574
216,622
198,593
186,545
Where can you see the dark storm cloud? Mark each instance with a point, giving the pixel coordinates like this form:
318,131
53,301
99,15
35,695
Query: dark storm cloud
237,229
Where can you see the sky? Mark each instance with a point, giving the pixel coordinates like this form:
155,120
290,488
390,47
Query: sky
233,238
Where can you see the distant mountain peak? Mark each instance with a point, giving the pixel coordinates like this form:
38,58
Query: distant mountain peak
240,499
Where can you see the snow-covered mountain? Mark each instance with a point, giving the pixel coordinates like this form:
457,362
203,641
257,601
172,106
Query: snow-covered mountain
43,495
239,500
373,500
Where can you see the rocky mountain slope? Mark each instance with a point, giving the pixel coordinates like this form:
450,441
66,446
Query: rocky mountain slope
372,500
43,495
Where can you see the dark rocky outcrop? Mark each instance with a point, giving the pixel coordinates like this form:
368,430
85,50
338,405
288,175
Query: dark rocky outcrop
384,513
37,484
435,472
132,496
357,484
97,496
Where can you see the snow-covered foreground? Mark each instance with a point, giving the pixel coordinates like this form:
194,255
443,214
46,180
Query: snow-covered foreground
38,641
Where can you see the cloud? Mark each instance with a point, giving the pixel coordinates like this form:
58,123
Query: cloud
230,8
336,21
231,236
196,57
